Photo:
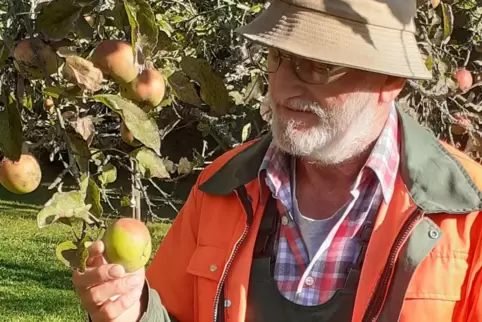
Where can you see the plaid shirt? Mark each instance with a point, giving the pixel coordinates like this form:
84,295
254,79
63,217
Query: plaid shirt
312,282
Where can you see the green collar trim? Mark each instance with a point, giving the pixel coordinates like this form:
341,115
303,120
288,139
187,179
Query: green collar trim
435,180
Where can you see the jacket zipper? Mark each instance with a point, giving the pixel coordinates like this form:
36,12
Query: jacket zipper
246,203
377,300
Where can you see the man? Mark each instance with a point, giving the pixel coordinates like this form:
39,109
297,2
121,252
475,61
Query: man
347,211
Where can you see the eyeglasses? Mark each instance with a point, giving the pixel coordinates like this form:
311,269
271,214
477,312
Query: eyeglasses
309,71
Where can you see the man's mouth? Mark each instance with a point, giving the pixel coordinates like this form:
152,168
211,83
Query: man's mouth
298,108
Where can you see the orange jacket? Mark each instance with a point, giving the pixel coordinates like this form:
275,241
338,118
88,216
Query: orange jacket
423,262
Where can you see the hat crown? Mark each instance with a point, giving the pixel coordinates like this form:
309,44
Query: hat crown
395,14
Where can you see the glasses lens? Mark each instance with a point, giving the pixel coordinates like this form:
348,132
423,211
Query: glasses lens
318,73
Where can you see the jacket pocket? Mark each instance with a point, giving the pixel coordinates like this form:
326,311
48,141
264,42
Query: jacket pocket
436,288
206,265
439,277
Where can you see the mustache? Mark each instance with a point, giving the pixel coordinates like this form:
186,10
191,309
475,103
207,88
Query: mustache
300,104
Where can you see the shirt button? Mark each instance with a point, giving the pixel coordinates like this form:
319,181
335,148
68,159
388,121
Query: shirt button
284,220
227,303
309,281
213,268
433,233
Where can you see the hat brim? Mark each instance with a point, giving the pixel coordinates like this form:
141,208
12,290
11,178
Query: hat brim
325,38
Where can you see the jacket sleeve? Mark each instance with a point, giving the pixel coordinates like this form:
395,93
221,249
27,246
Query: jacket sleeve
168,280
155,310
474,300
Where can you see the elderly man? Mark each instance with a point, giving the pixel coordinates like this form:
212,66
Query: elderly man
347,211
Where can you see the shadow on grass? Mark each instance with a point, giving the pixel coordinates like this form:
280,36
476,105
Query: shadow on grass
35,304
39,197
30,274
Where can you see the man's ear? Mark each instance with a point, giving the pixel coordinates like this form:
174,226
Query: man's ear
391,88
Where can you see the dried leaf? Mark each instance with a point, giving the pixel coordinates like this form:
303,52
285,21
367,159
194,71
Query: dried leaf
83,73
151,165
170,166
184,167
213,90
142,126
85,127
183,88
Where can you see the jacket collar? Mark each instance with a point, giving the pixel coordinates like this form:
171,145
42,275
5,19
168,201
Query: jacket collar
435,180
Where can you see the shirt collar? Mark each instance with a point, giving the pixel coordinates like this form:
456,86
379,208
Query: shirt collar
383,160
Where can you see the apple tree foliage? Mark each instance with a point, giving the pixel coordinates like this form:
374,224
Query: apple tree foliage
212,87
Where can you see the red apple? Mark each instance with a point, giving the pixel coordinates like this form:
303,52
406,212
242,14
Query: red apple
464,78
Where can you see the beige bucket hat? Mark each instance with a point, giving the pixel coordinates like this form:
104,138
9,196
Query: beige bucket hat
372,35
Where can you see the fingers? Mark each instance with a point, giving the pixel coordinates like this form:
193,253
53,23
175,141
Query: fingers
98,295
98,275
112,310
96,251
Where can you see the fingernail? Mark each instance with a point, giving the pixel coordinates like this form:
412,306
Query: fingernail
116,271
133,280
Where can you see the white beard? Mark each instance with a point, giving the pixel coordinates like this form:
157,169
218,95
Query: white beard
342,131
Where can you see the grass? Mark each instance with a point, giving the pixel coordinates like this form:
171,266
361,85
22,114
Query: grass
34,285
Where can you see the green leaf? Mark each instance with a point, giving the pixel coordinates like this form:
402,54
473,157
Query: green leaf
11,133
97,156
151,165
256,8
53,91
183,88
80,149
92,195
213,90
64,252
118,15
246,132
108,175
448,21
83,29
144,30
74,254
27,97
69,205
58,18
4,54
142,126
429,63
125,201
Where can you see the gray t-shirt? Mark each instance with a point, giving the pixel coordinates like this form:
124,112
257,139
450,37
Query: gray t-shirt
313,231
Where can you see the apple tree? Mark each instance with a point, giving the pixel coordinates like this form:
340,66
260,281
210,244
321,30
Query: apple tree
100,85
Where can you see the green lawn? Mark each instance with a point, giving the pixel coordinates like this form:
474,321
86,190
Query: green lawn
34,286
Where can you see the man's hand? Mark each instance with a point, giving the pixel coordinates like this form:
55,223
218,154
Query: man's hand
106,292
